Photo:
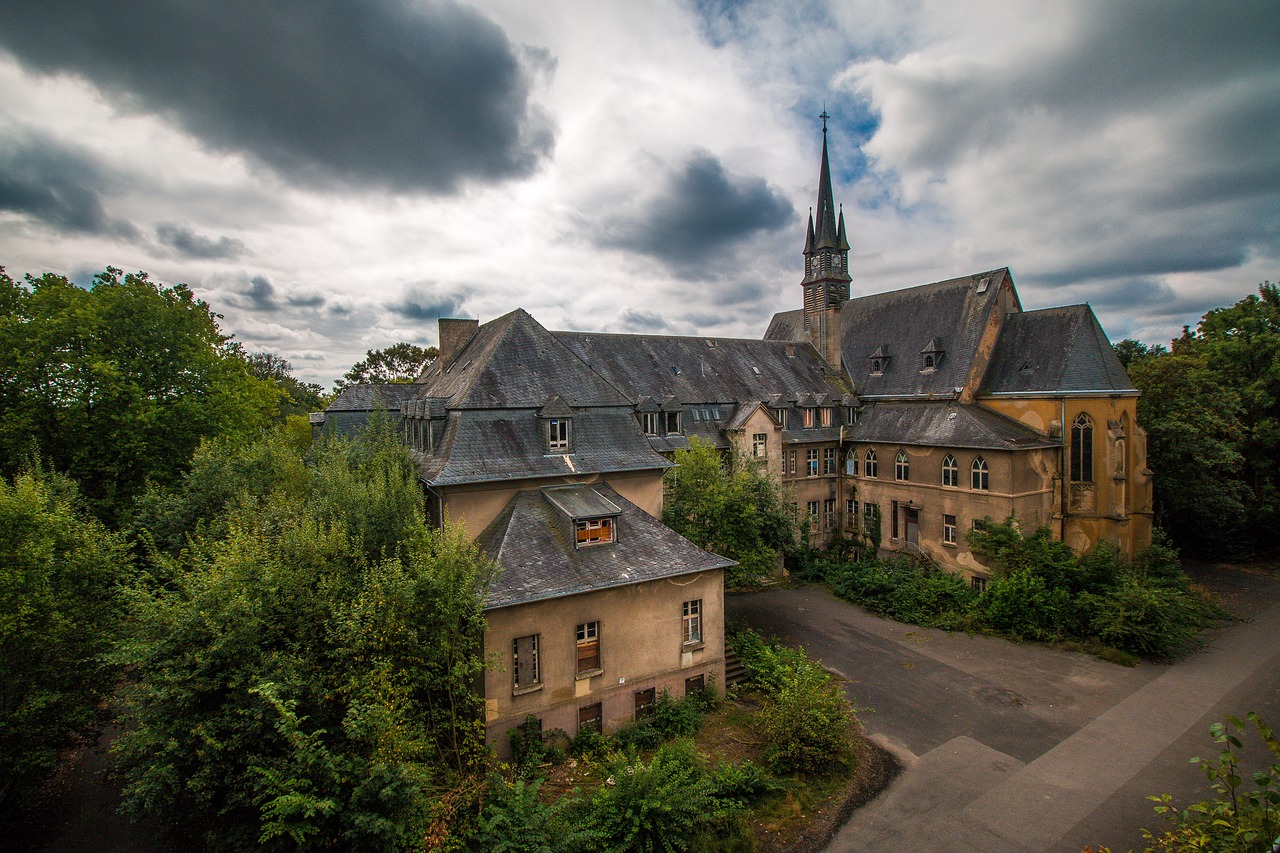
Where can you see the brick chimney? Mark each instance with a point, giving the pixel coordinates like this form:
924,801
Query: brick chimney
454,335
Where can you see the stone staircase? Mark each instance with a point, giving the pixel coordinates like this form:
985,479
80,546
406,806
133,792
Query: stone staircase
734,671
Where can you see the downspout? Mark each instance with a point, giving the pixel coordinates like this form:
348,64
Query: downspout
1064,471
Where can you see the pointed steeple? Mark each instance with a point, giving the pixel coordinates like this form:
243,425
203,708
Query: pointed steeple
826,264
826,221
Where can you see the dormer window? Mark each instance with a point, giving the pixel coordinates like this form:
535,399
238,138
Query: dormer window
671,423
810,417
558,434
780,415
879,360
931,355
826,416
649,423
595,531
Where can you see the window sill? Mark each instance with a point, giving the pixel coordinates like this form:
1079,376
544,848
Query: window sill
693,647
950,545
590,673
521,691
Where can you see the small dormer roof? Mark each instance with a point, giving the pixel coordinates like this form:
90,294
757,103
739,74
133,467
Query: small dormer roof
671,404
934,345
648,404
577,502
555,407
882,351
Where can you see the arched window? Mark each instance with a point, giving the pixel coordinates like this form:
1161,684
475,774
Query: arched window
851,463
950,471
901,467
871,466
979,476
1120,457
1082,449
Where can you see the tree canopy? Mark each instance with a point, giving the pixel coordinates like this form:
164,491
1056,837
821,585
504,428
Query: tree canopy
60,610
730,508
117,384
304,669
297,397
401,362
1211,409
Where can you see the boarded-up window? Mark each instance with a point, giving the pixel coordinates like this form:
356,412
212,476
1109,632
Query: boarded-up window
588,647
695,685
524,663
591,718
595,531
644,702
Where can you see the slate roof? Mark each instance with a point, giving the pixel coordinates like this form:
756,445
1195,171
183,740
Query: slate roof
1055,350
702,370
364,398
904,322
900,324
944,424
514,362
485,445
529,542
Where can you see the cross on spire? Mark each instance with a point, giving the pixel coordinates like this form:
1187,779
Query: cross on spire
824,118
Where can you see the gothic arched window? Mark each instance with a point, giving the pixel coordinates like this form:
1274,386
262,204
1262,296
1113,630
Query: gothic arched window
872,466
950,471
851,463
1082,449
901,467
979,475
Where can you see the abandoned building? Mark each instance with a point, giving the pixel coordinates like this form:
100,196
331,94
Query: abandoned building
898,419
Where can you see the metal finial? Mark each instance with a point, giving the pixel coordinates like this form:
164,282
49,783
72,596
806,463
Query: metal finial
824,116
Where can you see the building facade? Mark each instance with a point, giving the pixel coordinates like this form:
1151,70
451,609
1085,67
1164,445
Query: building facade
898,419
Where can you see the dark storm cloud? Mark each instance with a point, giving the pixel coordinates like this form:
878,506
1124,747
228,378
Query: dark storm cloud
638,320
694,211
58,186
188,244
262,294
422,96
423,306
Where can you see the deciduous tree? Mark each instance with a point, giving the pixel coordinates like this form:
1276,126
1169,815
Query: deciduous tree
117,384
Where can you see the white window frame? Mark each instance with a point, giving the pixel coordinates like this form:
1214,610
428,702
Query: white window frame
691,622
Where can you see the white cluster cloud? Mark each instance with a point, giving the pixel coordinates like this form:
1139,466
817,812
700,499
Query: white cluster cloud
635,167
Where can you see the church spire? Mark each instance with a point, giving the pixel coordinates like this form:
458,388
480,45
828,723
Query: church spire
826,221
826,264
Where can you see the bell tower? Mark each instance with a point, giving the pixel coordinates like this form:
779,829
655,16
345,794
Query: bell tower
826,266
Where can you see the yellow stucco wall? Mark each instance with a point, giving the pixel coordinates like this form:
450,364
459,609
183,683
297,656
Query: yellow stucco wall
1021,484
640,647
1115,506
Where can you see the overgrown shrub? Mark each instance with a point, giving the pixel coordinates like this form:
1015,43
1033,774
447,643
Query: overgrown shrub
806,721
660,805
1040,591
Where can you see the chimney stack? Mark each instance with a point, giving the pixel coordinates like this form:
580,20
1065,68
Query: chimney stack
454,335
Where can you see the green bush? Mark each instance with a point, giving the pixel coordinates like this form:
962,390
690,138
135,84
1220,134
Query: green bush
661,805
1040,591
1239,819
515,819
806,720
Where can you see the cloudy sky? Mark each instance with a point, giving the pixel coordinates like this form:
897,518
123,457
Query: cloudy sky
333,176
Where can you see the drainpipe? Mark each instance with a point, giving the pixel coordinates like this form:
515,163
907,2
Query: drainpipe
1062,430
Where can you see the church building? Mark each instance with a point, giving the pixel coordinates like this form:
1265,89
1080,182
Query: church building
897,420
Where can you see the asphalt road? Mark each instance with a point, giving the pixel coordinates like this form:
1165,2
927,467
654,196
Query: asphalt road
1024,749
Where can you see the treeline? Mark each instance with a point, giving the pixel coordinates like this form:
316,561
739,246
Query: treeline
292,652
1211,409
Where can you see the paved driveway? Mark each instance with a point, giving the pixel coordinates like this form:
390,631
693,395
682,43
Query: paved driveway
1025,749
